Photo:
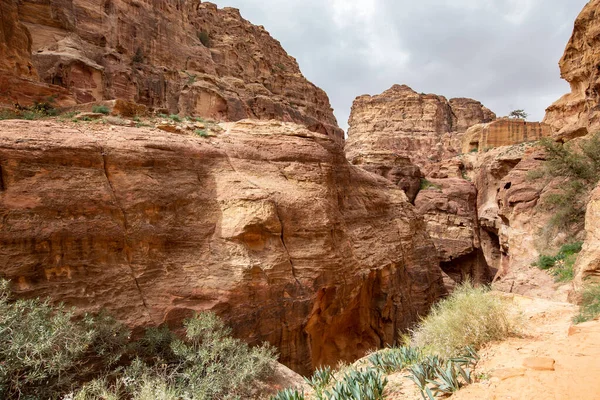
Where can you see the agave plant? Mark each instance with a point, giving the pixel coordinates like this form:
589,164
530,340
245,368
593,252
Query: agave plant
387,361
320,379
288,394
366,384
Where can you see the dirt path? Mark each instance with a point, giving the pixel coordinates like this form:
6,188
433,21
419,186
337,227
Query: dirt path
510,370
516,367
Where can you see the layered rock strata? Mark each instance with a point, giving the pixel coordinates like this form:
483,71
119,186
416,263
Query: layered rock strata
578,113
503,132
184,57
425,131
426,128
267,225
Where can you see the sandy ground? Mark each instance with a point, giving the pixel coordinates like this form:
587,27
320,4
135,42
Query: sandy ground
511,369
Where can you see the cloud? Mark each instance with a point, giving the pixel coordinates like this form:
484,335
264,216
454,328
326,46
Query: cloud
503,53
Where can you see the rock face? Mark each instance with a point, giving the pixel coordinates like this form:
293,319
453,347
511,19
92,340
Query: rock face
450,211
18,77
513,219
185,57
390,131
268,225
503,132
578,113
424,127
587,267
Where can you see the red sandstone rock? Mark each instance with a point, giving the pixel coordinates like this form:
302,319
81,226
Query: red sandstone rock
503,132
450,212
424,127
151,53
267,225
577,113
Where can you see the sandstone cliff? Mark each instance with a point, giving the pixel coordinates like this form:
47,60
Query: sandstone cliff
578,113
424,127
153,226
185,57
503,132
395,133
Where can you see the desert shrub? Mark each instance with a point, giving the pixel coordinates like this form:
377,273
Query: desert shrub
44,350
468,317
204,38
206,364
590,304
561,266
175,118
100,109
579,164
201,132
426,185
138,57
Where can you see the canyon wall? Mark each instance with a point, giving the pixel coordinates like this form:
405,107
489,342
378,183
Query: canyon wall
406,136
153,226
176,56
426,128
578,113
503,132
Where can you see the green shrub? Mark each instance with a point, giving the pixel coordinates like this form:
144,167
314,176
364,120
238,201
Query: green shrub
590,304
561,266
579,164
204,38
138,57
175,118
426,185
201,133
100,109
468,317
44,351
206,364
320,379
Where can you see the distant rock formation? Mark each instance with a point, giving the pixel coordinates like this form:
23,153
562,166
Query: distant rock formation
578,113
503,132
266,224
426,128
184,57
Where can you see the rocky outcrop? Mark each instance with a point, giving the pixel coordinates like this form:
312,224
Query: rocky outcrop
503,132
398,131
267,224
19,82
449,207
189,58
513,217
578,113
423,127
587,266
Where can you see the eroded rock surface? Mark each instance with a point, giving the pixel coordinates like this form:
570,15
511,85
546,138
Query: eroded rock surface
426,128
587,267
268,225
503,132
450,211
578,113
185,57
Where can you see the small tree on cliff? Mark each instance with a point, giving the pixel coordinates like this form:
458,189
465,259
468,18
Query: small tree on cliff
521,114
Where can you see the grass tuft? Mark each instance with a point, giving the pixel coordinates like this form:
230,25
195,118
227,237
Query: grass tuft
468,317
590,304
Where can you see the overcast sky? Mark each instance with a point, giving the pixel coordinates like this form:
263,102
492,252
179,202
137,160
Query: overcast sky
503,53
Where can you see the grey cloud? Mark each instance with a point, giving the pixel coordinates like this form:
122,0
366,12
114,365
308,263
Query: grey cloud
467,48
